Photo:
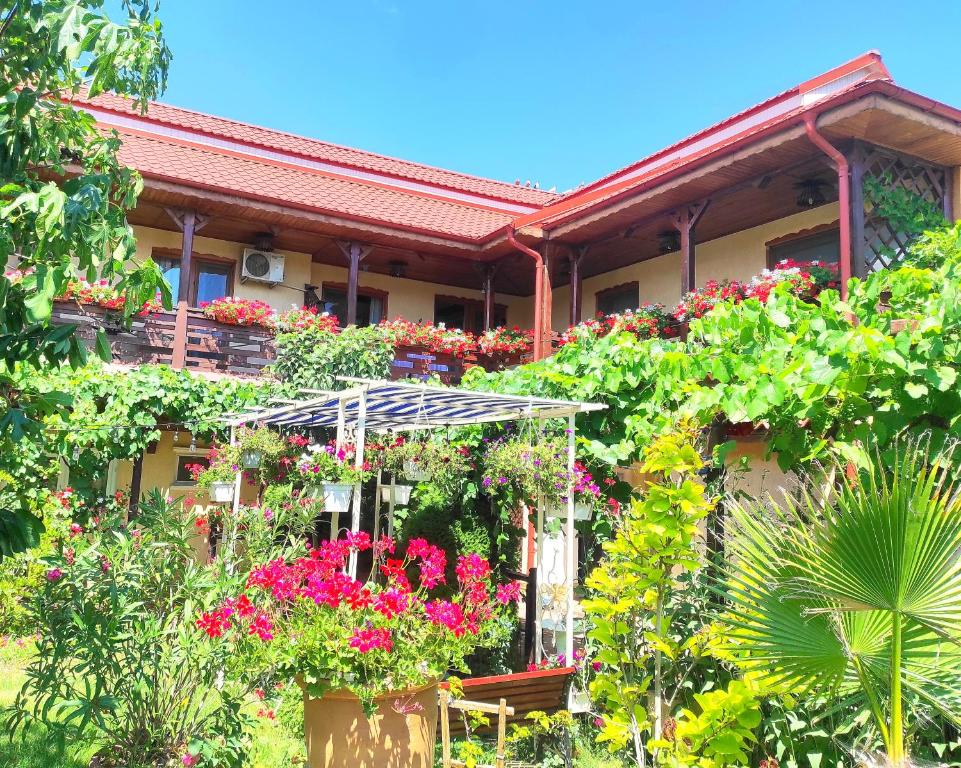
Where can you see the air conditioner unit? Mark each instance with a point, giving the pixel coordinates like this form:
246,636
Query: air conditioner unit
262,266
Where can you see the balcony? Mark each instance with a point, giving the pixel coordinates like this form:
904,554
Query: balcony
185,338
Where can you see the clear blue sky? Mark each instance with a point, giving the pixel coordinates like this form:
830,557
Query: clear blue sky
559,92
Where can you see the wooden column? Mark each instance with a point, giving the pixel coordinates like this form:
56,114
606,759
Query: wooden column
136,477
856,164
685,221
355,253
489,270
576,255
189,222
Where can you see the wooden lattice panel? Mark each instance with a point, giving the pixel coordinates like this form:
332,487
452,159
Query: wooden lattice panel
882,244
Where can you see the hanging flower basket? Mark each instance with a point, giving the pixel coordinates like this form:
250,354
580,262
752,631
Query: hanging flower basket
401,494
222,493
251,459
581,511
336,496
415,473
402,730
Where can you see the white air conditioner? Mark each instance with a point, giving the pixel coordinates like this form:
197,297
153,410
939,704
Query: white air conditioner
262,266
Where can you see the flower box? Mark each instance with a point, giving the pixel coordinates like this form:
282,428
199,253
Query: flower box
401,732
336,496
401,494
222,493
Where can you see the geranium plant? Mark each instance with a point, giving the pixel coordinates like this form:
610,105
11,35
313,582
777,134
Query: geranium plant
222,467
698,302
645,322
436,338
443,462
232,310
294,320
307,619
505,341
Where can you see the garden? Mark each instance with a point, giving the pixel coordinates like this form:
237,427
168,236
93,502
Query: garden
253,626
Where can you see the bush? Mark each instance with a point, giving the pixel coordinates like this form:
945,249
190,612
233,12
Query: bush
119,659
315,357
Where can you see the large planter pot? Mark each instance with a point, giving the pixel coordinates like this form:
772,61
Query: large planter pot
336,496
401,494
339,735
222,493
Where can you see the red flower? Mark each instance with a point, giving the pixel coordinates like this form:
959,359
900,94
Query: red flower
367,640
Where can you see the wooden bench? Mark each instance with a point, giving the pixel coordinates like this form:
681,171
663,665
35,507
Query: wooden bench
544,690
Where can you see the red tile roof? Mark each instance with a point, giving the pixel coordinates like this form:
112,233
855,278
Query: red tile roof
202,168
347,157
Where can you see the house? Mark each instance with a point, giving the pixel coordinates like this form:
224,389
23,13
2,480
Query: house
372,237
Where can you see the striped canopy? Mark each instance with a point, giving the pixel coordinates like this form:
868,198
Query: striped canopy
406,405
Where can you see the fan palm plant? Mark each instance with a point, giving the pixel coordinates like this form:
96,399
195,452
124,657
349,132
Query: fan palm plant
854,588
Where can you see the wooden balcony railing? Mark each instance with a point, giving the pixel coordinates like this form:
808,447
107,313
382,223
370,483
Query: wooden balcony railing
184,338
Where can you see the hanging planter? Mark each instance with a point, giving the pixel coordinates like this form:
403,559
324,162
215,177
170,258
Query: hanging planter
251,459
222,492
415,473
336,496
582,511
401,494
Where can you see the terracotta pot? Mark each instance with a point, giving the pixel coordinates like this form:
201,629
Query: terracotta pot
339,735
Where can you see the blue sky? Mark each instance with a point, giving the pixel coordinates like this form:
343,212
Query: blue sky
559,92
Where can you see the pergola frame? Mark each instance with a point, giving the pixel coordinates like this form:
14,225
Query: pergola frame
368,405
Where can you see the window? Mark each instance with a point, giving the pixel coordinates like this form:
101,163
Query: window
620,298
821,246
210,278
466,314
371,303
183,475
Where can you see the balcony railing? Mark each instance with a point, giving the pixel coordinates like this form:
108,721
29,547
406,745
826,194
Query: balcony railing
185,338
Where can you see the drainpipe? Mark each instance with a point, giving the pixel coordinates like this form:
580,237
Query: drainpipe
538,292
844,198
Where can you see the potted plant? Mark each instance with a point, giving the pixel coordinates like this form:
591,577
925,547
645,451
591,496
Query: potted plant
220,476
440,462
587,494
367,655
532,470
401,493
256,445
330,474
232,310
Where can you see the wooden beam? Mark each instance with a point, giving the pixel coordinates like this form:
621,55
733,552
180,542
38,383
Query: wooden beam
685,221
489,270
355,253
189,222
576,255
856,165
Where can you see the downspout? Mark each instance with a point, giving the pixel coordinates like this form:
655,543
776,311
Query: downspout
538,292
844,198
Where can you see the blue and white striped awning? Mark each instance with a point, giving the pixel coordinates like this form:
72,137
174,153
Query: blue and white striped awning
405,405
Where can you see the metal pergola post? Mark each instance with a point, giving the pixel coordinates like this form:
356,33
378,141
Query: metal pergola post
359,436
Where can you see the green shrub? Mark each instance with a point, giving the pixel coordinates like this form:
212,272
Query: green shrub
313,358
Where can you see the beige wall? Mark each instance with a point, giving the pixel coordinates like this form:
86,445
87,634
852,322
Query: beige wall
735,257
410,299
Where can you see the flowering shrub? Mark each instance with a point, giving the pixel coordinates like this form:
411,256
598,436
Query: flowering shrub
306,618
294,320
648,321
436,338
118,660
698,302
505,341
232,310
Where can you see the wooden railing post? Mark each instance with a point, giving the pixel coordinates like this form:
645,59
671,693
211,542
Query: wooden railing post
178,356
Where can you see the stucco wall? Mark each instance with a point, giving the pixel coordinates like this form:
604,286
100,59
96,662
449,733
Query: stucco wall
735,257
410,299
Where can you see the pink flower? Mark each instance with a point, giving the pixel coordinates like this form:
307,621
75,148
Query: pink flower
366,640
391,602
75,529
189,760
54,574
262,626
507,593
